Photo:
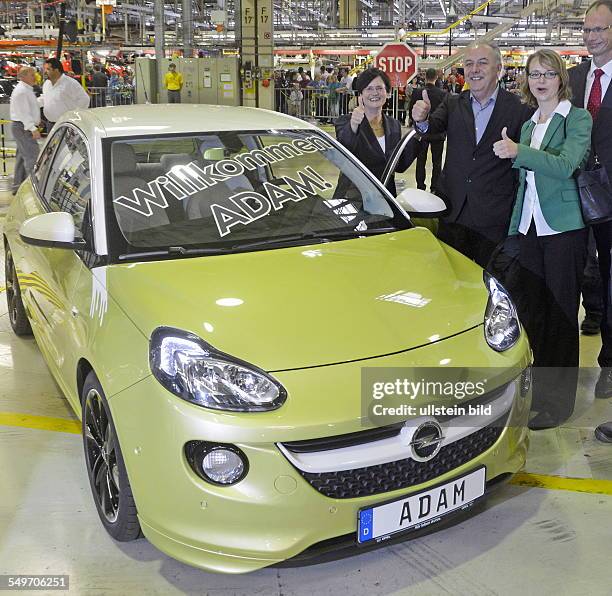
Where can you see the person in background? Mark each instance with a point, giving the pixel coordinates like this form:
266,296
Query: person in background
99,82
294,101
113,85
334,87
370,135
552,236
60,93
346,81
590,83
452,86
25,116
433,141
458,76
319,95
173,82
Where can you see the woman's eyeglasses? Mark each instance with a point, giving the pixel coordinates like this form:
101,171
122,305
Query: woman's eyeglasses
549,74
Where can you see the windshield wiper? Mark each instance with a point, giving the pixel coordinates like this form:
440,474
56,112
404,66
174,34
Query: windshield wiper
175,251
180,251
321,236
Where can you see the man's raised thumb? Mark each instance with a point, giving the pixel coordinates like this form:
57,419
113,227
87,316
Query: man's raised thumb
425,98
505,133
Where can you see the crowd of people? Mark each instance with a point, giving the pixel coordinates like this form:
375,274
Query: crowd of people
327,94
513,151
105,82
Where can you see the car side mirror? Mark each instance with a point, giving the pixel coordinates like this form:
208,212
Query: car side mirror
420,203
51,230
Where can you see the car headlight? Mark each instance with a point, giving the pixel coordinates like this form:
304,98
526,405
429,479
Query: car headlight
192,369
501,324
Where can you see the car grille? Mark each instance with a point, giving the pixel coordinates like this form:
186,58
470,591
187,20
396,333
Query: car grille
403,473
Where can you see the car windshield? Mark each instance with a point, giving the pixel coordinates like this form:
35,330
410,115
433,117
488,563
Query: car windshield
238,191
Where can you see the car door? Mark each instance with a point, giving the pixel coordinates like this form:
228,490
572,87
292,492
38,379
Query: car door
54,272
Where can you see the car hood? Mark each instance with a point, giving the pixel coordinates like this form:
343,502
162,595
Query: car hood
311,305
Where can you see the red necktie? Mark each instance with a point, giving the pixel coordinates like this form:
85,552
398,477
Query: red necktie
594,102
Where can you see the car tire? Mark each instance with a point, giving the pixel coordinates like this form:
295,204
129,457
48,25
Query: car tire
106,470
16,310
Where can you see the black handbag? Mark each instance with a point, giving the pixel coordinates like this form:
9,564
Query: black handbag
595,191
595,194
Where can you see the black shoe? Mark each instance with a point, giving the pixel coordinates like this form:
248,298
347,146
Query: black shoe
591,324
603,432
543,420
603,387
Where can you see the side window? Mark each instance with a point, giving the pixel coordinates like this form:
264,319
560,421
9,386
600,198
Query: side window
44,160
68,186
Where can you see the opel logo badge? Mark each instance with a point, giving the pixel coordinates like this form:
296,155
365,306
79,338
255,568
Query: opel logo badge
426,441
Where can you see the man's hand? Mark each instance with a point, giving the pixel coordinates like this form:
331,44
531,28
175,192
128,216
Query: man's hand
357,115
506,148
36,134
421,108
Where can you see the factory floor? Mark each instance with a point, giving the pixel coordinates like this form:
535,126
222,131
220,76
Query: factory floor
555,538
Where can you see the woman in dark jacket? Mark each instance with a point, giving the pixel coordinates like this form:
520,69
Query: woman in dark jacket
370,135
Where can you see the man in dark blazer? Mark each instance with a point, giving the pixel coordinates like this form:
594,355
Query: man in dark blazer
590,82
479,187
435,141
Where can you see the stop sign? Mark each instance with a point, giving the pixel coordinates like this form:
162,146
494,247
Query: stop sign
399,61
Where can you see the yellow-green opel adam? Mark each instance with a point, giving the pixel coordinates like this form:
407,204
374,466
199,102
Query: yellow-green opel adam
215,290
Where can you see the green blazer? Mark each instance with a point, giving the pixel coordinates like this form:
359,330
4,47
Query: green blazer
565,148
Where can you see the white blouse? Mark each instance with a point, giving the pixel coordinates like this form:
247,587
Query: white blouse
531,202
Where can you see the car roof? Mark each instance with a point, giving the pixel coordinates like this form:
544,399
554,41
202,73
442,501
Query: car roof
146,119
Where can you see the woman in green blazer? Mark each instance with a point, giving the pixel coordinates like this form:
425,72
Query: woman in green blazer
552,237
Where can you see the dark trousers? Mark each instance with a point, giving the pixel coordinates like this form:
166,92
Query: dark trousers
591,285
97,98
552,269
174,96
26,155
437,147
476,244
603,240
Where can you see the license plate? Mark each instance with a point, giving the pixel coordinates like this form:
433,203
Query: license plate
421,509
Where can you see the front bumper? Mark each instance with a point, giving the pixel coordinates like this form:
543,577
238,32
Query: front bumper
274,514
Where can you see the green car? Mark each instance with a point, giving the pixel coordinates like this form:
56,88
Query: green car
224,295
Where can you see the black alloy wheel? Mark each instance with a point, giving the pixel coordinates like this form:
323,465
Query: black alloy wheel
108,478
16,310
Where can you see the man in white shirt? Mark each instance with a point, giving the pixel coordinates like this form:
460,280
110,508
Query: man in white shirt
60,93
25,116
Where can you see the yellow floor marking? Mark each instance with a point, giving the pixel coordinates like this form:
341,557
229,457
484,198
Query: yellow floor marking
60,425
581,485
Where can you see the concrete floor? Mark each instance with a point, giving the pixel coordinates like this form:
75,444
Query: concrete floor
526,541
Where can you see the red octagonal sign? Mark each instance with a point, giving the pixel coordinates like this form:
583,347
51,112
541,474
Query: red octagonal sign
399,61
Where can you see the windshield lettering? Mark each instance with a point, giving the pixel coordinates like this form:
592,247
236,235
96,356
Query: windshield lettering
183,181
251,206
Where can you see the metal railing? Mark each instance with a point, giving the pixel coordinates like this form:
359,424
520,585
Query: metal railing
325,107
110,96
